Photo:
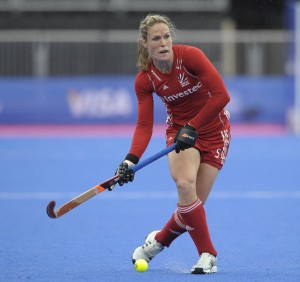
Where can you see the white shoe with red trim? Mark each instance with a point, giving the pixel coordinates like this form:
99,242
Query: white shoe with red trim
149,250
206,264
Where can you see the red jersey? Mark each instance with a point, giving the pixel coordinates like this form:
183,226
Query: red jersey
193,92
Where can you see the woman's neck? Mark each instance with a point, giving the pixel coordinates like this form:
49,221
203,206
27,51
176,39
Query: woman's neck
165,66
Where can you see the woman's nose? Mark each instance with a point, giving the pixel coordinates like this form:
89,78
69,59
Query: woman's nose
163,42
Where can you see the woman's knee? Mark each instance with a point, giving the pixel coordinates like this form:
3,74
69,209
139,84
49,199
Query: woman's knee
185,185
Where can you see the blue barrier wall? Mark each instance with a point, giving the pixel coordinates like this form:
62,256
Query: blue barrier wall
111,99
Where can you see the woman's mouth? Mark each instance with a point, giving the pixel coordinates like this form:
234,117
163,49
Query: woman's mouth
163,52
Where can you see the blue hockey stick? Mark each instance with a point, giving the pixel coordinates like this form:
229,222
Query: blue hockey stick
101,187
153,158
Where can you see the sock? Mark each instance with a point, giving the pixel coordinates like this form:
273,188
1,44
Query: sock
195,219
173,229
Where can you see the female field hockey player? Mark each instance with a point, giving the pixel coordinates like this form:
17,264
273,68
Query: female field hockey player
194,95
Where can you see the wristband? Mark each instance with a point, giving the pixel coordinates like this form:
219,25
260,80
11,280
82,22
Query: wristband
132,158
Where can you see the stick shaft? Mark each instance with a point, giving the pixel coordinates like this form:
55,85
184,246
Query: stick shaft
101,187
153,158
79,200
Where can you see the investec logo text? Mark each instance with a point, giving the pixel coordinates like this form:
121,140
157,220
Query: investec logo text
179,95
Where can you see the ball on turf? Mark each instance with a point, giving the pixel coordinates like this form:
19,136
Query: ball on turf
141,265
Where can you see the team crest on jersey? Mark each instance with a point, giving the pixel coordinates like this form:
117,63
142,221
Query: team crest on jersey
183,80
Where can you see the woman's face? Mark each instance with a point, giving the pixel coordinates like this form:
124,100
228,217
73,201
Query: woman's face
159,43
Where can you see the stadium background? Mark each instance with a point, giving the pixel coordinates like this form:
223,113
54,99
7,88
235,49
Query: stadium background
68,62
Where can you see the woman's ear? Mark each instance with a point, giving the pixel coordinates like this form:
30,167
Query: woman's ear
144,43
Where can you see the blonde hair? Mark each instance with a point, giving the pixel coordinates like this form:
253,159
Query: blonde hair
150,20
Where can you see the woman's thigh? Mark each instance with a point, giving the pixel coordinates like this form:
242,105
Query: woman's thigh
184,164
206,177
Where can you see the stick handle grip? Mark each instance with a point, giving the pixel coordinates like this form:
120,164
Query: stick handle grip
153,158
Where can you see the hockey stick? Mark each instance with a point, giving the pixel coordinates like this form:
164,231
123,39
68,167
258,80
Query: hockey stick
101,187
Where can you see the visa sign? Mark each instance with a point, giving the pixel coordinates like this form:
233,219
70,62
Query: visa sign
100,103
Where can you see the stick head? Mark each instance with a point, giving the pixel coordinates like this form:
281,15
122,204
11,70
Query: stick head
50,209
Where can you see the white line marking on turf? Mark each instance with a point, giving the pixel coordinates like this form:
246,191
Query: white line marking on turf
150,195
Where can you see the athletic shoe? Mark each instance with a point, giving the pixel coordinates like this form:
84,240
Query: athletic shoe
206,264
149,250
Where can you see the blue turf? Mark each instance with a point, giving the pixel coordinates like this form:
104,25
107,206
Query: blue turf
257,234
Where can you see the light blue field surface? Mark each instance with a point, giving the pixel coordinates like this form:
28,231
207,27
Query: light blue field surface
253,212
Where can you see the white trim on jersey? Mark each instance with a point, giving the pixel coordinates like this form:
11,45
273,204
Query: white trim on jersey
152,83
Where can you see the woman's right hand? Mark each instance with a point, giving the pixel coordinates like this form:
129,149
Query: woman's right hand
125,173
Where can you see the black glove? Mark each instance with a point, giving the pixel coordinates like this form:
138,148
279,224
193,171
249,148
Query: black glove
125,173
185,138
